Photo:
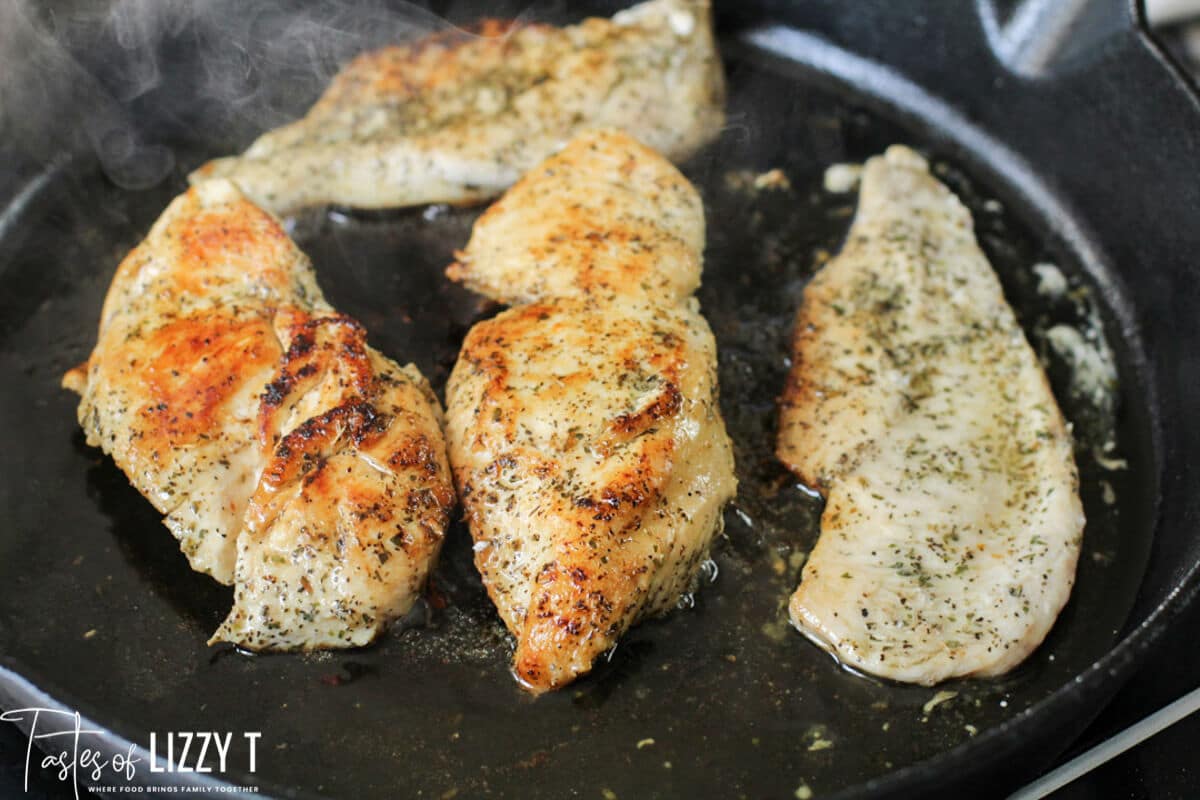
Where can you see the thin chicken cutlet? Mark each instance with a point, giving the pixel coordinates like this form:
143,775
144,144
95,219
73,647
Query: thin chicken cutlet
458,117
584,428
953,522
287,456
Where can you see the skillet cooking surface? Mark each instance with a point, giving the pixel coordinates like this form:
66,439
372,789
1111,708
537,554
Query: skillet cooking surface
98,606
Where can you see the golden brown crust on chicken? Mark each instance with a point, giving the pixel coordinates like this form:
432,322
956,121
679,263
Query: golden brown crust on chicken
350,509
593,464
584,428
186,345
552,233
288,457
456,118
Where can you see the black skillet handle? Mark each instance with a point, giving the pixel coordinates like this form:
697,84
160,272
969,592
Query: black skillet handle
1027,39
1039,38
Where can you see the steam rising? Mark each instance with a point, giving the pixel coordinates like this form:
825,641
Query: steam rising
143,84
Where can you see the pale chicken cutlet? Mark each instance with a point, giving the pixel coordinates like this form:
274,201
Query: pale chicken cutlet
584,428
287,456
458,117
916,406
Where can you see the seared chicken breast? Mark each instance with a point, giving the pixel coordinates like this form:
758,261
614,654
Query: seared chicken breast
287,456
584,428
553,233
916,406
459,117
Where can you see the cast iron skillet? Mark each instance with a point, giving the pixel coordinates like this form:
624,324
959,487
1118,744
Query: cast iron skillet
1060,124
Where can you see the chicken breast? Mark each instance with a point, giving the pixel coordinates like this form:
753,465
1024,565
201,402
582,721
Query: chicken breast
287,456
608,216
458,117
584,430
953,521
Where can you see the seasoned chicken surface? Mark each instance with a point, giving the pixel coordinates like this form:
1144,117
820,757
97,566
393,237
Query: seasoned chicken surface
584,429
553,233
458,117
953,521
287,456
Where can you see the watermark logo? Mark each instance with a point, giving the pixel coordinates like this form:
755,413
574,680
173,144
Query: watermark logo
59,742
